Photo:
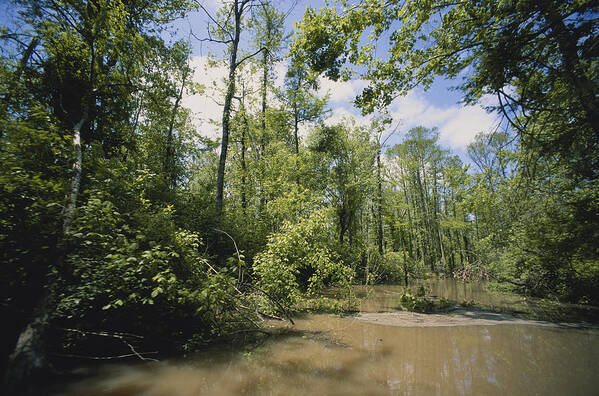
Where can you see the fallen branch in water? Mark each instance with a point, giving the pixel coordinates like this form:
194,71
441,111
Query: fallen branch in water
102,333
257,330
68,355
278,304
271,316
120,336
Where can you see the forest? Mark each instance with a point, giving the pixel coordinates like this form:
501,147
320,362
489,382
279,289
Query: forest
125,228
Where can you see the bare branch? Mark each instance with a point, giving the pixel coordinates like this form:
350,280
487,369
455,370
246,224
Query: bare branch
249,56
214,20
120,336
68,355
278,304
239,279
211,40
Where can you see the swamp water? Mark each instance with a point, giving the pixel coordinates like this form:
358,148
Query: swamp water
381,352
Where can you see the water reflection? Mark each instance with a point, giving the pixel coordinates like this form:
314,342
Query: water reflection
386,298
329,355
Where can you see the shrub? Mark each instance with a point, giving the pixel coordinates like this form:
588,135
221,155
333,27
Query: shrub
298,259
137,272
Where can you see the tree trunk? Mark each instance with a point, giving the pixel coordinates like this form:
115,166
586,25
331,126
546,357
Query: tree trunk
69,211
263,142
379,203
296,135
243,165
28,366
264,86
410,225
442,250
342,225
169,170
220,176
405,268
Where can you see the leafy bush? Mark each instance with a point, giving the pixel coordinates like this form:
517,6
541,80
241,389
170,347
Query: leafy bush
417,303
298,259
136,271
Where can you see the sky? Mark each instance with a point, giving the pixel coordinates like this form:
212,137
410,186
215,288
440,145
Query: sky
439,106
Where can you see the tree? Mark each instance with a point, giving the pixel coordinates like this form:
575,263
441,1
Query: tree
378,126
537,57
227,29
305,104
344,158
426,178
268,36
81,81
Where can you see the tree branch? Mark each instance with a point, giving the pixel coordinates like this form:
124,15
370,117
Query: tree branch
214,20
249,56
120,336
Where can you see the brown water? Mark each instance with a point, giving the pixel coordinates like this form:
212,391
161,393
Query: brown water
387,298
330,355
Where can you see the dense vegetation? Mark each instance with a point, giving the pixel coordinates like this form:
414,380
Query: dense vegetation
126,231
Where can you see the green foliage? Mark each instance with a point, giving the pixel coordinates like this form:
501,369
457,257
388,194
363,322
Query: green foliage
342,157
392,268
418,302
148,251
299,258
32,162
557,256
137,262
531,209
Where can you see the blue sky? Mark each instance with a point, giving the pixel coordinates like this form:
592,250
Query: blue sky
437,107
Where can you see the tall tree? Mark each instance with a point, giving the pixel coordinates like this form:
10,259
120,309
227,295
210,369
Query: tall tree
304,104
87,66
267,25
345,156
227,28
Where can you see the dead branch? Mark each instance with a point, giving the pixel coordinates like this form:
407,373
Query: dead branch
271,316
249,56
68,355
240,276
257,330
120,336
278,304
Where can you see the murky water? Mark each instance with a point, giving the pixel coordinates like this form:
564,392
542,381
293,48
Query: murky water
387,298
330,355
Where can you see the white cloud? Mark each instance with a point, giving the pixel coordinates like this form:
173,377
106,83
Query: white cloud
340,91
207,107
280,71
204,106
338,114
458,125
462,126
